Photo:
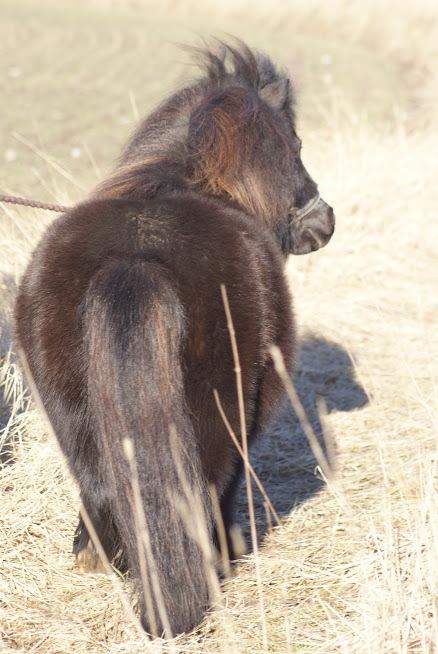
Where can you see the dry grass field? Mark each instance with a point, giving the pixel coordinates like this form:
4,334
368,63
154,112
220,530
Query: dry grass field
353,566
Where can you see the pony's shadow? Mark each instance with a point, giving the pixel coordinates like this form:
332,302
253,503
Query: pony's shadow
282,457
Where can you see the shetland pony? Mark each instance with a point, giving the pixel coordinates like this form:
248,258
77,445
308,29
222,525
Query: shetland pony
121,323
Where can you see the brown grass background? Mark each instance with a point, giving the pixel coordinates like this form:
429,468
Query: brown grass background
353,566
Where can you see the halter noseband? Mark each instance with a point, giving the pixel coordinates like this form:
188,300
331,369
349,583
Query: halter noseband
299,214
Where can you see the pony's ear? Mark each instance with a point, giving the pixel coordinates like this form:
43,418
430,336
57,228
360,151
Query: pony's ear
276,94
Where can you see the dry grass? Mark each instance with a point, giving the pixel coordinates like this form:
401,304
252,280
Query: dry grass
353,567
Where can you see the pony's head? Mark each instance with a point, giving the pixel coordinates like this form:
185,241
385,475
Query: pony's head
243,147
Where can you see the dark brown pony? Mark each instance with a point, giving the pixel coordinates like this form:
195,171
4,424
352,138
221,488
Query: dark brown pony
121,322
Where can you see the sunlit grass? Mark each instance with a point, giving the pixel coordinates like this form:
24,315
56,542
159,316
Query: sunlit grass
353,567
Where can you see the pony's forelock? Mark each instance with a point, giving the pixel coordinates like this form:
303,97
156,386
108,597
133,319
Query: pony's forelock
225,64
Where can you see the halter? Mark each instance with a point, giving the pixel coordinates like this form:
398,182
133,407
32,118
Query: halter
299,214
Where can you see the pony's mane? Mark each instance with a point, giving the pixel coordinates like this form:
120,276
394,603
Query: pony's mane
156,154
235,65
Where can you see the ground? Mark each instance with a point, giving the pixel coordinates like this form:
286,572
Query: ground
352,567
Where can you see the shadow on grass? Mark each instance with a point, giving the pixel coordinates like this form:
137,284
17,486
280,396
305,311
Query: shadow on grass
282,457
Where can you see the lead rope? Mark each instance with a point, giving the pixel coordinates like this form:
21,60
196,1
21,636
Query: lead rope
297,214
26,202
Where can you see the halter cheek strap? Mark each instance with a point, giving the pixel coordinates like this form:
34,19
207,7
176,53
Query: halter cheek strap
298,214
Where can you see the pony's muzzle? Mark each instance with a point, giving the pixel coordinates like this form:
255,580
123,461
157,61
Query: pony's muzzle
312,229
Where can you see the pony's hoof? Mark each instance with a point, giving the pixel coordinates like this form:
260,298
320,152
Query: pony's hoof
88,560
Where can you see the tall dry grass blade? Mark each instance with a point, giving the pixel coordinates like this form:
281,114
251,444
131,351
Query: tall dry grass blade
59,169
268,518
143,536
193,513
12,215
110,572
191,510
96,169
134,107
315,446
137,509
242,454
324,466
220,527
244,435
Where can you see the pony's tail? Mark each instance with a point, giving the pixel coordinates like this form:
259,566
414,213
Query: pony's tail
134,326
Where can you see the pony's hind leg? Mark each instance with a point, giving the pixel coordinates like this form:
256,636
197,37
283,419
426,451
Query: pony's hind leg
233,533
